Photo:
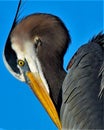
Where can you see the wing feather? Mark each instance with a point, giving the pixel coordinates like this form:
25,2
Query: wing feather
82,108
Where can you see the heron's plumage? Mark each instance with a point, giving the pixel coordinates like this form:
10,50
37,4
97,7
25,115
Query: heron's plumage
82,107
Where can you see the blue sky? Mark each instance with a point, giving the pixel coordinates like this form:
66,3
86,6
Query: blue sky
19,108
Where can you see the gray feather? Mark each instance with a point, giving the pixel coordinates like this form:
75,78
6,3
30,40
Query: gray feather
81,107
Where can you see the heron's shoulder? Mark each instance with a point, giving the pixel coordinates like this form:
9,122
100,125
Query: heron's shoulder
88,59
95,45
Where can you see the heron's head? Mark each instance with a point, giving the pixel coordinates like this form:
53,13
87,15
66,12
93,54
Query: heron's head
34,43
37,40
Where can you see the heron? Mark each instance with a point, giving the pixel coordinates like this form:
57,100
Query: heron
34,54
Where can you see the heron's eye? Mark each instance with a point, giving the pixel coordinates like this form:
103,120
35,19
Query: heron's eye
21,63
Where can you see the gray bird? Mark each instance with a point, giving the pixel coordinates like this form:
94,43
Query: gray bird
37,45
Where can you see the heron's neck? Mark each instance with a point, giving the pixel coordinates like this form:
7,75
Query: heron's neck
55,75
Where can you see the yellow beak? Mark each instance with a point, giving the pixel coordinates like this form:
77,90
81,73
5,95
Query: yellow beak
38,88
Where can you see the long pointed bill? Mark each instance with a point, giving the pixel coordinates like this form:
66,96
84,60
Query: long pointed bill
38,88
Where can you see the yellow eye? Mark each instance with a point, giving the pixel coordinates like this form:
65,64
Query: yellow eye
21,63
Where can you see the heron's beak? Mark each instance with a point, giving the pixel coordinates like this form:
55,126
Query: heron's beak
38,88
36,84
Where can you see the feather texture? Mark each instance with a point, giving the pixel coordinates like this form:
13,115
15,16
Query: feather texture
82,108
